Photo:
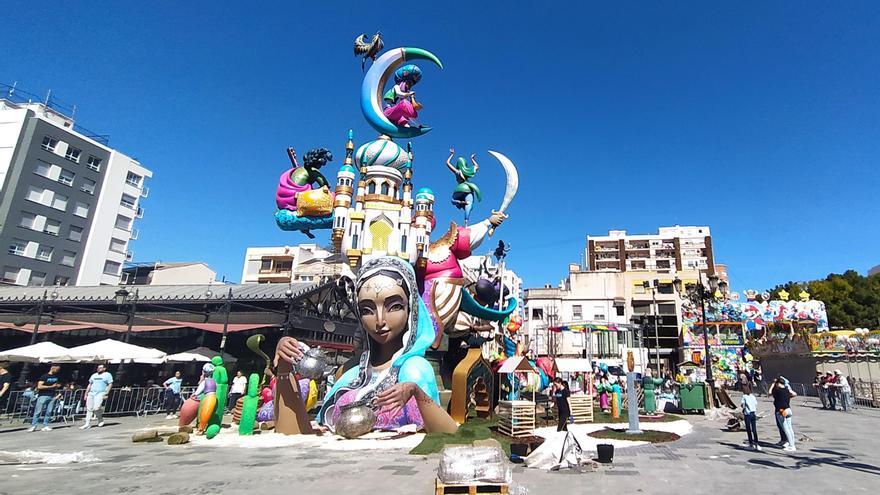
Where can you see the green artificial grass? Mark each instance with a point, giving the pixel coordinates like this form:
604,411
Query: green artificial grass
603,417
652,436
473,429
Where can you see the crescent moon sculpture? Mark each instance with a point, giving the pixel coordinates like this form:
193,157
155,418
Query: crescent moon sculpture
374,85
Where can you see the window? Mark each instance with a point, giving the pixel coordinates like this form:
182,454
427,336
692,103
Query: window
112,267
371,188
73,154
599,313
17,247
43,169
68,258
61,280
128,201
75,234
577,312
35,194
123,222
94,163
403,243
384,189
38,278
88,186
44,253
59,202
66,177
117,245
665,288
133,179
49,143
538,313
52,227
620,310
638,289
10,274
666,309
27,220
81,209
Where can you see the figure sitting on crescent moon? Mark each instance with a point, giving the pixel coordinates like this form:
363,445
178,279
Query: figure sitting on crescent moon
401,106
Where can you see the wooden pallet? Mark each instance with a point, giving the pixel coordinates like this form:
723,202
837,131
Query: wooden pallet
581,408
516,418
470,489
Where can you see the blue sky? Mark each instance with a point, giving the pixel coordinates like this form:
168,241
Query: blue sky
759,119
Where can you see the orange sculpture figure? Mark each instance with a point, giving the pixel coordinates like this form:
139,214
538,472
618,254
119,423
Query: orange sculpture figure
209,404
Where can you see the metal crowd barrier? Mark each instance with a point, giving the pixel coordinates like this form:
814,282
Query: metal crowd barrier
18,406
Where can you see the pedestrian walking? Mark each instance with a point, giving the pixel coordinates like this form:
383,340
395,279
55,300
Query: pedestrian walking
841,385
782,393
172,395
48,386
821,389
750,412
561,393
99,387
238,389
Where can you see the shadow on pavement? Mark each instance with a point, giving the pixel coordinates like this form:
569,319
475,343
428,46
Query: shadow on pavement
827,458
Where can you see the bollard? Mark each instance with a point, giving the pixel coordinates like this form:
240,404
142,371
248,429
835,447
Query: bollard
615,408
633,408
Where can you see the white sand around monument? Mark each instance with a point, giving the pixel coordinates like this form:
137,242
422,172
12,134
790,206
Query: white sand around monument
554,440
229,437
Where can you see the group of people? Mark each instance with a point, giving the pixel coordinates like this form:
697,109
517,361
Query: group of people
48,392
833,388
782,394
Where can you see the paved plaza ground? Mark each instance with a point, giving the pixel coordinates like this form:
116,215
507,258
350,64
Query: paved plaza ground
839,454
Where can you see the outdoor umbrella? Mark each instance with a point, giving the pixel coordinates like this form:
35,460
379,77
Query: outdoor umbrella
210,353
35,353
187,357
114,351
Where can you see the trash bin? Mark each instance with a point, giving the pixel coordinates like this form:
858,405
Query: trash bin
693,397
605,453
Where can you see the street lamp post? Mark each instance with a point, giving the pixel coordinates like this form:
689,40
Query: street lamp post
653,288
700,294
228,309
26,369
123,297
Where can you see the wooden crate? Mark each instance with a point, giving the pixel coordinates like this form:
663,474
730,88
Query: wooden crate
516,417
581,408
470,489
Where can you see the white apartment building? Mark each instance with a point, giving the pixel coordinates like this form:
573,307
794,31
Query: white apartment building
286,264
670,249
68,202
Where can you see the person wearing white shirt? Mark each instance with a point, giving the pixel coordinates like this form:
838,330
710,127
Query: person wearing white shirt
843,387
238,389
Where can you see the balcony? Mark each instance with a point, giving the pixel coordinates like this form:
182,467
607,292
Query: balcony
129,255
145,192
134,234
140,213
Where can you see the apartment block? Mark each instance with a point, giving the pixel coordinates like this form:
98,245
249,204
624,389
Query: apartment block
287,264
671,248
68,201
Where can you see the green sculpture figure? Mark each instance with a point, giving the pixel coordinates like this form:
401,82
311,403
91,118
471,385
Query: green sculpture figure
249,406
648,384
222,380
466,191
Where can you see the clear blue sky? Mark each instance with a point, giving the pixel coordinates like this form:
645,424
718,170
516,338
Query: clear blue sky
760,119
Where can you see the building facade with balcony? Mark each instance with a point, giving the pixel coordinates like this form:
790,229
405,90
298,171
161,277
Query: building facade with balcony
68,201
287,264
674,248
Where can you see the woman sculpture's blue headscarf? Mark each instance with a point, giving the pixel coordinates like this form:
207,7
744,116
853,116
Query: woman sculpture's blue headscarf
409,363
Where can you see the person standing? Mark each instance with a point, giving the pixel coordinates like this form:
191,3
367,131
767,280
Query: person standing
238,389
841,384
172,395
821,391
750,411
48,386
561,393
100,384
782,394
5,383
831,390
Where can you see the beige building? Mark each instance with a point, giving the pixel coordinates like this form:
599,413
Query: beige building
674,248
286,264
174,273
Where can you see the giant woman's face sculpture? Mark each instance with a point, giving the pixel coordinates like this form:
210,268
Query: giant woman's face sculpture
384,308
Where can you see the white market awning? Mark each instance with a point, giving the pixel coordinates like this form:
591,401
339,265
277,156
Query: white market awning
41,352
112,351
573,365
187,357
